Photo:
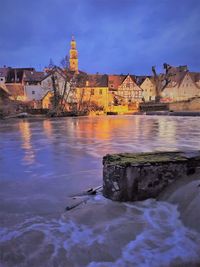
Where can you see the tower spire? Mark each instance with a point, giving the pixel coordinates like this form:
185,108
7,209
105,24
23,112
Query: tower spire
73,59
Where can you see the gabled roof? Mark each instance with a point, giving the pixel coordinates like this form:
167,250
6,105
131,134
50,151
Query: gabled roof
140,79
114,81
145,77
195,76
33,76
135,79
53,71
175,74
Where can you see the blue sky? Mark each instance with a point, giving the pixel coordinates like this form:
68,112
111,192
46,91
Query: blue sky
113,36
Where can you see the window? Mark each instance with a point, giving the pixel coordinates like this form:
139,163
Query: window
92,91
1,79
100,91
33,92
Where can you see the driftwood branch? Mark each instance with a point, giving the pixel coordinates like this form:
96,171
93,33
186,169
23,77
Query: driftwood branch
81,198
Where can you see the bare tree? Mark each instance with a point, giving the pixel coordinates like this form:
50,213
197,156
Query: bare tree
64,63
51,64
161,81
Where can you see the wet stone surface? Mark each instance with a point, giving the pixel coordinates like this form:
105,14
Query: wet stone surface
132,177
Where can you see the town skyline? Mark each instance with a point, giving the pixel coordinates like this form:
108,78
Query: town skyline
115,37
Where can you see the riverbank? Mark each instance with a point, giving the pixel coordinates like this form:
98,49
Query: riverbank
150,113
173,113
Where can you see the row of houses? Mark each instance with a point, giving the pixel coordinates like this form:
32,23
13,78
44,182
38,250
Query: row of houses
103,91
29,85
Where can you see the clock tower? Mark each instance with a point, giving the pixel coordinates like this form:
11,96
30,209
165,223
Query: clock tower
73,58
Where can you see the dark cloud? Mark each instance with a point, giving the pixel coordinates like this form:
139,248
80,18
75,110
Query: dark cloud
112,36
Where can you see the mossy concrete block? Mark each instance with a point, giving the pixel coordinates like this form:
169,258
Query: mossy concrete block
131,177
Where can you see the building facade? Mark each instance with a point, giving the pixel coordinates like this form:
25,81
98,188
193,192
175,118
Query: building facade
92,92
148,89
183,85
129,91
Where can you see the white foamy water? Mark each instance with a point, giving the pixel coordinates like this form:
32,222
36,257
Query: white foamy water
147,233
43,163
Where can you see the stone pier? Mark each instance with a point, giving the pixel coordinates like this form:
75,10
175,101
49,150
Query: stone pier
132,177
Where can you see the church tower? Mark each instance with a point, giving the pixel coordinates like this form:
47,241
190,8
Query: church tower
73,58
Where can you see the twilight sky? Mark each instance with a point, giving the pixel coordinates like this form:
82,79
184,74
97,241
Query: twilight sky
113,36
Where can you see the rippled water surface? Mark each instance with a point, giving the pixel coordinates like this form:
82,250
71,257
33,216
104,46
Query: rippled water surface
44,162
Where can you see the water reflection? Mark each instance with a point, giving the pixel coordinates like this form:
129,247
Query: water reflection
77,145
25,131
47,126
54,159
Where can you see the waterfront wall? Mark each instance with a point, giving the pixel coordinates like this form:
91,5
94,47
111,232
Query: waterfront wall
132,177
189,105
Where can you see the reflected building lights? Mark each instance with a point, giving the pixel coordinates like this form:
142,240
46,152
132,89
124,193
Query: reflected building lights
47,125
167,131
26,145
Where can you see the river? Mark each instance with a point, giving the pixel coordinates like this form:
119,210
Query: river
43,162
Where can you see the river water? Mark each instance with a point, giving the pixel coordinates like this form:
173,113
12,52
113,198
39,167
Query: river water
44,162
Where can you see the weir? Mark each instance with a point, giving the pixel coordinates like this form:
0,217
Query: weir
132,177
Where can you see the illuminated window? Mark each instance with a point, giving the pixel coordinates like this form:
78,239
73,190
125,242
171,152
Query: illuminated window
100,91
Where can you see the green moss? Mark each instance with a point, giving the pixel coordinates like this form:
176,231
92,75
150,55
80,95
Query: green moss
141,158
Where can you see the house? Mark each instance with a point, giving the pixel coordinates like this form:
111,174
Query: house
15,75
13,80
148,89
32,85
183,85
61,81
92,91
114,81
129,90
125,89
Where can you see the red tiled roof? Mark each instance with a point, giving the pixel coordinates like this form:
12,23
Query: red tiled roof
15,89
114,81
